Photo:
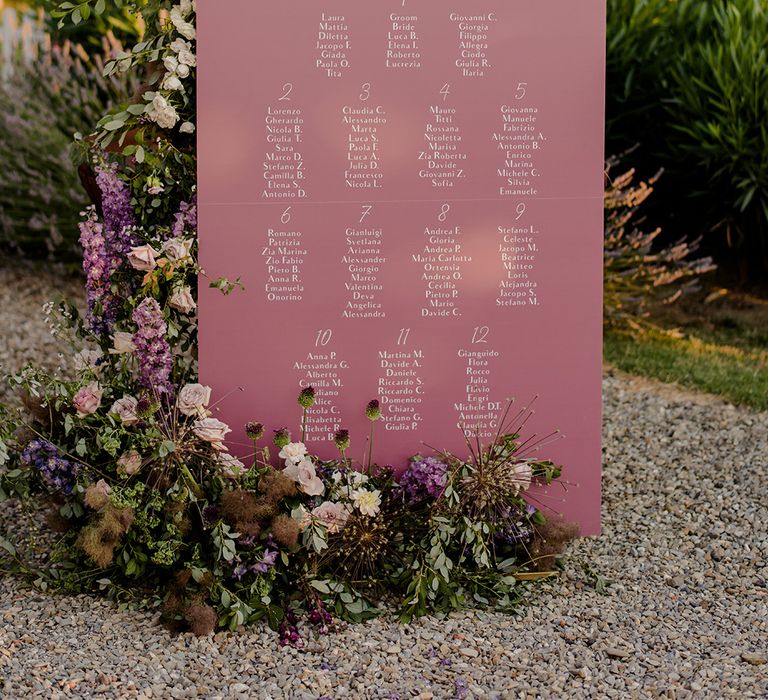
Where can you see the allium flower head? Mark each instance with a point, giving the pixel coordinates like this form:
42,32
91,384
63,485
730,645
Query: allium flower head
307,397
341,438
282,437
373,410
254,431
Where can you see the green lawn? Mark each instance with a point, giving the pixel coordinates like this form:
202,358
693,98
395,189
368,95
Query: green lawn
731,370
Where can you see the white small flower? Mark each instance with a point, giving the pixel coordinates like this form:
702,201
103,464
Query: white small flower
293,452
367,502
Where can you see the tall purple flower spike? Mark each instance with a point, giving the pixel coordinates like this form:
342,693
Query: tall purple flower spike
152,348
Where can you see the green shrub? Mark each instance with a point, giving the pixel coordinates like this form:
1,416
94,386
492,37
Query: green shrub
719,116
45,98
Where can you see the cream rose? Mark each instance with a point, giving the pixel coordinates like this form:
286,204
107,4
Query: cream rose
182,300
177,249
142,258
87,400
193,398
163,113
126,409
211,430
122,343
129,463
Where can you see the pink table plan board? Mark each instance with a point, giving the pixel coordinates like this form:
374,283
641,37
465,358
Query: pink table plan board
411,193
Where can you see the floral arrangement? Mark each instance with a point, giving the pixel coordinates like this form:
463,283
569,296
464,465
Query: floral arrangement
128,457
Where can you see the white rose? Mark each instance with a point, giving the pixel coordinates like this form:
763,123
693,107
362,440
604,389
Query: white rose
187,58
162,113
179,45
122,343
193,398
293,452
182,300
187,128
171,63
177,249
211,430
182,71
126,410
142,258
171,82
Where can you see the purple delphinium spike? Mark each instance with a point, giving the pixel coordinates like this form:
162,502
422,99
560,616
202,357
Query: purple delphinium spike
118,212
57,471
152,349
98,265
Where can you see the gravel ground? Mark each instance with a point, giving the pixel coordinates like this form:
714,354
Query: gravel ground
684,543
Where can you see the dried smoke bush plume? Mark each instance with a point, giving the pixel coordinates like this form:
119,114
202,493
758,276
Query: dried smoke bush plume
99,539
276,486
95,497
201,619
285,530
550,541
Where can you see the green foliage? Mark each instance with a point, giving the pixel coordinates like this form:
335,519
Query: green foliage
44,101
688,80
719,113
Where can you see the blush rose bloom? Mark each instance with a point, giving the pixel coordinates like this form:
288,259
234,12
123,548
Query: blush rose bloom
193,398
87,400
142,258
522,475
122,343
177,249
305,475
126,410
182,300
332,515
211,430
293,452
230,465
129,463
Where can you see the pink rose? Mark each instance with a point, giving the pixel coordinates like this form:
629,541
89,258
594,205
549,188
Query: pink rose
87,400
305,475
211,430
182,300
193,398
126,410
129,463
142,258
332,515
230,465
